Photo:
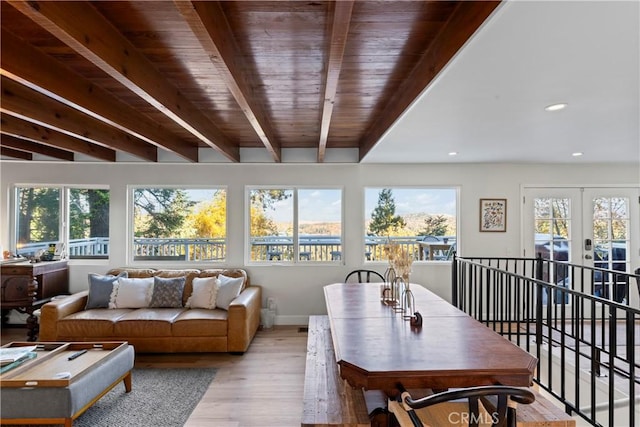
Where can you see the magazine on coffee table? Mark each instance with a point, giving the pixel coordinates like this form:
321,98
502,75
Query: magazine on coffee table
13,354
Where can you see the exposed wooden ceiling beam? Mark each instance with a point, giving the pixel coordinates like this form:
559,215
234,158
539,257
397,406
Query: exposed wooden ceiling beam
209,24
22,102
16,154
80,26
34,147
35,69
21,128
465,20
339,30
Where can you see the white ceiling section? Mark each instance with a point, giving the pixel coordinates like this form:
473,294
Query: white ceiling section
488,103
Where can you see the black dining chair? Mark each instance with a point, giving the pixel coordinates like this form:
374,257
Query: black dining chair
368,275
471,406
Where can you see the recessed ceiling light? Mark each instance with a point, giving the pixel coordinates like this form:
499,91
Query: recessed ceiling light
453,153
555,107
577,154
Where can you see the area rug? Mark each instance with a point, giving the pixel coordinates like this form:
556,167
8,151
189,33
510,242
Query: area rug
159,398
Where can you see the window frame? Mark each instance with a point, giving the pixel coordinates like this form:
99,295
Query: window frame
63,216
295,261
457,239
130,227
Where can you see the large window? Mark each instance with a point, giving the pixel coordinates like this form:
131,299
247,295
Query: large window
421,221
295,225
179,224
63,220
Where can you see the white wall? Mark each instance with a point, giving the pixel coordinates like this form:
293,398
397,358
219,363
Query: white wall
298,289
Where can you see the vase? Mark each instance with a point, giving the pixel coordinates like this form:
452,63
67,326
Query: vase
389,280
408,302
398,290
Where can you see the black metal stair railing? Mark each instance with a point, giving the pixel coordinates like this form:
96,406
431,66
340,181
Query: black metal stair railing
576,320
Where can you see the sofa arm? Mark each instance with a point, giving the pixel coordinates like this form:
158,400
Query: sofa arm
244,319
55,310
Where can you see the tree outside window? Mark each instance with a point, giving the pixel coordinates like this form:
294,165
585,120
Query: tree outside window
179,224
408,216
39,211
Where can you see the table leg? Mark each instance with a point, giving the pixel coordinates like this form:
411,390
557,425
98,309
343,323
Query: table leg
127,382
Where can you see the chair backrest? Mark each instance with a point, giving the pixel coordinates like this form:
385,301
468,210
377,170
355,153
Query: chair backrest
494,400
364,276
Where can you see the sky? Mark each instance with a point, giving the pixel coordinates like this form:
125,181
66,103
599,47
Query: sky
325,205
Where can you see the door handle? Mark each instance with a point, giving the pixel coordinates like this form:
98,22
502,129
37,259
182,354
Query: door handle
588,256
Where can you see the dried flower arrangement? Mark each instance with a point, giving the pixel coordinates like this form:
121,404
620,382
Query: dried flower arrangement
399,259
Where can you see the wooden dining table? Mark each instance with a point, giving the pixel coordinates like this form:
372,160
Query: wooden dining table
375,347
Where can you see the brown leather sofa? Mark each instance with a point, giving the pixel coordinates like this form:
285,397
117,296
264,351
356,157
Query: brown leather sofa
159,330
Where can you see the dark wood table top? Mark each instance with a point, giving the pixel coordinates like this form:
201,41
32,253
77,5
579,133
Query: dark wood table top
375,348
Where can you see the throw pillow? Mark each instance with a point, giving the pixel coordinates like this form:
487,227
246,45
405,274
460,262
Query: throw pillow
167,292
228,290
131,293
100,288
204,293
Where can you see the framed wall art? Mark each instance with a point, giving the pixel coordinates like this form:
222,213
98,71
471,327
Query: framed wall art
493,214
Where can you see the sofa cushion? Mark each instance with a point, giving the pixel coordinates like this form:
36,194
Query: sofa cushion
131,293
98,322
200,322
100,288
147,322
205,290
133,272
167,292
228,289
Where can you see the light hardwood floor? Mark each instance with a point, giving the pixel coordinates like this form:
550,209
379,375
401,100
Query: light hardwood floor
262,388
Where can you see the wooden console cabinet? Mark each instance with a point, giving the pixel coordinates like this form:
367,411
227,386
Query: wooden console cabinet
27,286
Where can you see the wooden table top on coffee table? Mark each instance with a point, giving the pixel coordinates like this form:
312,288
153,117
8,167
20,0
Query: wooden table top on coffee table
375,347
53,359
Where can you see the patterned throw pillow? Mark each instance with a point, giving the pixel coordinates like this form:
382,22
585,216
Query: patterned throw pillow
167,292
100,288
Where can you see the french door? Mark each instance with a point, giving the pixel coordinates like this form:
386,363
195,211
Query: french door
593,227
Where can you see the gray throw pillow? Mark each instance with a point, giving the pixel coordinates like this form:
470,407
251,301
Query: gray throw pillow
167,292
100,288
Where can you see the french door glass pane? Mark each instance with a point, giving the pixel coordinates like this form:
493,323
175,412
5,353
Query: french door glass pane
552,219
611,243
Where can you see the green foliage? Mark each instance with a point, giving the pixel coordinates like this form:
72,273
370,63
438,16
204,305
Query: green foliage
160,212
435,225
266,198
38,214
88,213
383,218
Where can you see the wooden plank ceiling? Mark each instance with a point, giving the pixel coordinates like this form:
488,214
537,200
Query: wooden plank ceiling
139,77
